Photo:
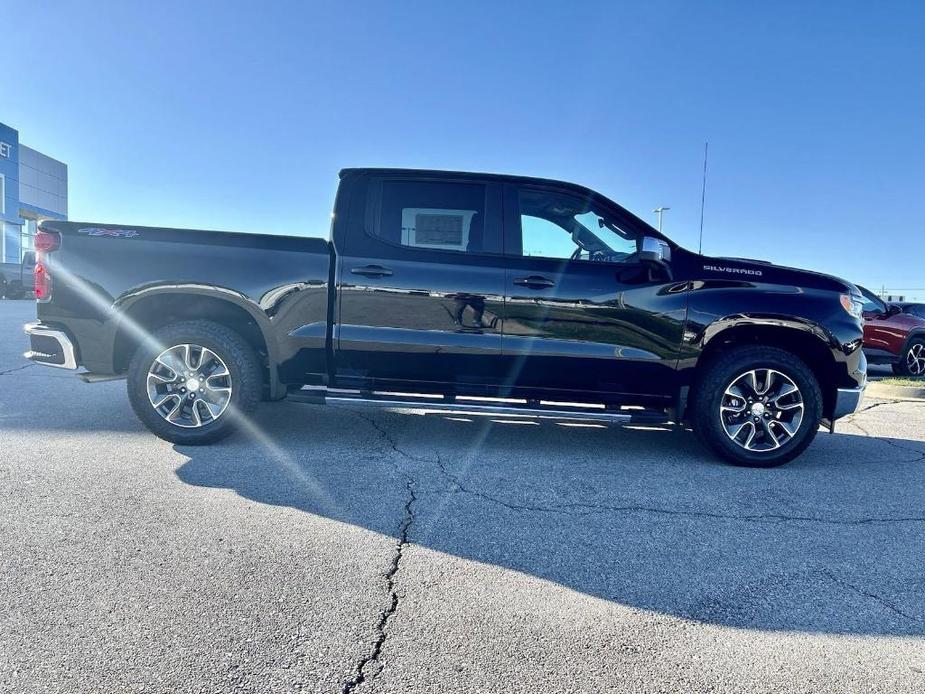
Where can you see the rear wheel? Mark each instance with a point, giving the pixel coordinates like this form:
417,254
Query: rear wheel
912,360
194,382
757,406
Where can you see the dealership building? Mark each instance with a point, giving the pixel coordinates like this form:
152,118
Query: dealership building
33,187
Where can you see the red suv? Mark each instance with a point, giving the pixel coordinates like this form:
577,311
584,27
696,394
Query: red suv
893,335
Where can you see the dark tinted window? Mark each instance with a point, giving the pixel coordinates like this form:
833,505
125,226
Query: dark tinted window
434,215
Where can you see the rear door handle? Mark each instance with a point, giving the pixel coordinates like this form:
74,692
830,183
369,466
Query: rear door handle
371,271
535,282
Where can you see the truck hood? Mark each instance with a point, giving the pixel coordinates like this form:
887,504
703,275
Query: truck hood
763,271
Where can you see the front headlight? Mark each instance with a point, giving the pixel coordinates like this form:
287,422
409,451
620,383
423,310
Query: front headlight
852,305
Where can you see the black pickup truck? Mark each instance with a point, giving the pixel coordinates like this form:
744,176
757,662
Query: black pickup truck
476,292
16,278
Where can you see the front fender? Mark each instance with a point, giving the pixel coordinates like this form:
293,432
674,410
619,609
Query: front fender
810,322
719,326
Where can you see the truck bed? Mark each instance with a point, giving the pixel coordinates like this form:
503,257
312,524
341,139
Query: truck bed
105,275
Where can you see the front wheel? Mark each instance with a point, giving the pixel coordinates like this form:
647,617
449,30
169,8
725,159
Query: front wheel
912,361
194,382
757,406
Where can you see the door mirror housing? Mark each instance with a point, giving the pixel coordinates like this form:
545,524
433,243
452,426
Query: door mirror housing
654,250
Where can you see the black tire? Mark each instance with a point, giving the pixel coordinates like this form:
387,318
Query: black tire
721,372
902,367
245,373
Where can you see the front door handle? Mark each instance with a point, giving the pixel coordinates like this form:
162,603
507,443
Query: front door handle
371,271
535,282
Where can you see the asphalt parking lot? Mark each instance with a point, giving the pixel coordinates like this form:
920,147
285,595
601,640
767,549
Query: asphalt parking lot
335,550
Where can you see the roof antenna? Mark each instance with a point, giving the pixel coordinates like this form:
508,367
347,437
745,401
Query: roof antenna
703,195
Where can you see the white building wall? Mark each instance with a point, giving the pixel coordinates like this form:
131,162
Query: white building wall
42,181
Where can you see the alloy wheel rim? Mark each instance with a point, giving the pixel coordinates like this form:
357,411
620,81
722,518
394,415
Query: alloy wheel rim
761,410
915,359
189,386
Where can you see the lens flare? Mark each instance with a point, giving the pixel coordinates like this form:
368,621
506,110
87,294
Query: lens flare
103,304
246,425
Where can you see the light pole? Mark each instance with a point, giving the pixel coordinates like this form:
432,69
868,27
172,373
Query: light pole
658,211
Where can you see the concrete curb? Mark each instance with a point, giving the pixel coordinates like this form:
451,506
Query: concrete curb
887,392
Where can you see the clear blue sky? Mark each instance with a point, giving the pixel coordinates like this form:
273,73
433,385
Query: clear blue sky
172,113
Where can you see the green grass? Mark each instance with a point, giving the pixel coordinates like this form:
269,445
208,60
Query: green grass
917,381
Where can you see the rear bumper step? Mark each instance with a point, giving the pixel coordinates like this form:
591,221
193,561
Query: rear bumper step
480,406
50,347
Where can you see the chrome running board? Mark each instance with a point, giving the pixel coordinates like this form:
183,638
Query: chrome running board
475,405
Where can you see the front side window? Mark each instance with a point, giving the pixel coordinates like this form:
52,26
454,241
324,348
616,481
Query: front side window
432,215
564,226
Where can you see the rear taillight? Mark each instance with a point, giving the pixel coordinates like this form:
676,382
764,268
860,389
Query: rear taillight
42,282
45,243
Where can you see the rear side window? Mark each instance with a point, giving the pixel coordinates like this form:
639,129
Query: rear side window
433,215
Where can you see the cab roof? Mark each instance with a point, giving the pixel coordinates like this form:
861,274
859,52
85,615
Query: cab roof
501,178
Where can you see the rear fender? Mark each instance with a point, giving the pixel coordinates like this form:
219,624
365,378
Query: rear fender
125,325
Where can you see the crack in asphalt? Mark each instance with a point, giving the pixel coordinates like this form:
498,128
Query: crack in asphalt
581,509
576,508
363,673
891,442
7,372
851,417
372,658
867,594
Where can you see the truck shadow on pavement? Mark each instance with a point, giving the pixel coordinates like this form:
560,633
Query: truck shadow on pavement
642,517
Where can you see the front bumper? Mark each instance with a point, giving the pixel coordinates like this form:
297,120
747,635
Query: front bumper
50,347
847,401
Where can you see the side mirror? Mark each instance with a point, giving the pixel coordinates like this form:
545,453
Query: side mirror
654,250
893,309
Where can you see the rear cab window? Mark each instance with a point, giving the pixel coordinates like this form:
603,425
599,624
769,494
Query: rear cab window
434,215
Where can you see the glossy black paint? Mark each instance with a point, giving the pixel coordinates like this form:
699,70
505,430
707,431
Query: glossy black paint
446,321
413,315
103,283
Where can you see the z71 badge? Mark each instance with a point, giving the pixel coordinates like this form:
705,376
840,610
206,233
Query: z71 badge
114,233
